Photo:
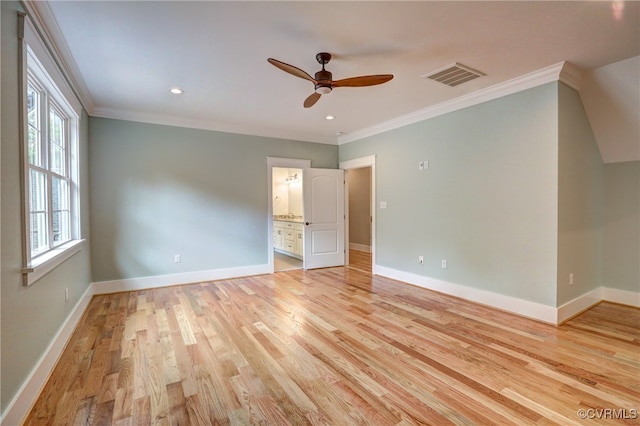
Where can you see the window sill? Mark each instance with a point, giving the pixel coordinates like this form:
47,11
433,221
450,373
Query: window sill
48,262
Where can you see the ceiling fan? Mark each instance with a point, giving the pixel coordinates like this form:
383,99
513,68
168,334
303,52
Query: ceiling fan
323,82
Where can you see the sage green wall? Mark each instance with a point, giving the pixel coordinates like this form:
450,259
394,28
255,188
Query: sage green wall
360,206
487,203
580,199
159,190
30,316
622,226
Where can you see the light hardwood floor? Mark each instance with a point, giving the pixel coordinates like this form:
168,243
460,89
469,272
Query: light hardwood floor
336,346
360,260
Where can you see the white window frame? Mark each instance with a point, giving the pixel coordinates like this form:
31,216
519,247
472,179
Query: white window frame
38,67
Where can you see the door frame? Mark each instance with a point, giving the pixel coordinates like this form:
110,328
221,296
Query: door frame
359,163
292,163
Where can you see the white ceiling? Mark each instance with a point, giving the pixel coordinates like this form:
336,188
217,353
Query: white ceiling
124,56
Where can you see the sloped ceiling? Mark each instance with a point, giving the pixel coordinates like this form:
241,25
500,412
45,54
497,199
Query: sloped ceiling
611,98
125,55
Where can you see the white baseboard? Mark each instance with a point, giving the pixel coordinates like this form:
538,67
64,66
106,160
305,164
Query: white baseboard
579,304
623,297
142,283
600,294
360,247
521,307
25,397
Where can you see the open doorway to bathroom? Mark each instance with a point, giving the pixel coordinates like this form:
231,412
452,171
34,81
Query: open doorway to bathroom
288,232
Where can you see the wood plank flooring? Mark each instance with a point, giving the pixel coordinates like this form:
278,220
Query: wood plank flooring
337,346
360,260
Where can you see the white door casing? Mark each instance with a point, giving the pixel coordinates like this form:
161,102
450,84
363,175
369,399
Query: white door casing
323,204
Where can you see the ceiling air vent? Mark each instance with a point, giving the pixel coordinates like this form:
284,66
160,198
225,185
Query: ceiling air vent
454,74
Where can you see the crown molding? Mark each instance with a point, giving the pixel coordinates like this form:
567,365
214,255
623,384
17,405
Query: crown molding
48,28
562,71
571,76
170,120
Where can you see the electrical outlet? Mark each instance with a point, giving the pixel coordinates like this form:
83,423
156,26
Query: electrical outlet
177,258
420,260
444,263
571,278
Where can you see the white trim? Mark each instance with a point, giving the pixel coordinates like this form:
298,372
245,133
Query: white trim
360,247
208,124
562,71
623,297
158,281
46,62
571,76
40,12
38,65
358,163
600,294
46,263
291,163
21,403
579,304
520,307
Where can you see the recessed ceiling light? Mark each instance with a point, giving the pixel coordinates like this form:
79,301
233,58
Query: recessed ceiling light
176,91
329,117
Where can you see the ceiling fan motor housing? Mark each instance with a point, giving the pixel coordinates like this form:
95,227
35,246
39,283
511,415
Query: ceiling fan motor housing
323,85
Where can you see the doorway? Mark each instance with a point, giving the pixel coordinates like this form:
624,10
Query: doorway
322,219
360,211
288,243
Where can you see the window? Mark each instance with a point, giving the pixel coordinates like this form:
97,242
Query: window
49,178
50,151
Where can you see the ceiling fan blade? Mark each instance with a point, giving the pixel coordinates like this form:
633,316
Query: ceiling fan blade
365,80
311,99
290,69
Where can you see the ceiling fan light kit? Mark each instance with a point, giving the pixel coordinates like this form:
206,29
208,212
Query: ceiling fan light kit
323,82
323,89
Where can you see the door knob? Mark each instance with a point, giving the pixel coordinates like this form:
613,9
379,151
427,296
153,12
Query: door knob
307,223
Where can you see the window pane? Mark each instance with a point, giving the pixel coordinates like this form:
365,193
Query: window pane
33,107
38,232
33,118
37,192
57,142
56,127
59,194
57,160
33,142
61,227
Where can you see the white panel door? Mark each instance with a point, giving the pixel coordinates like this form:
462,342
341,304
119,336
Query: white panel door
323,203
